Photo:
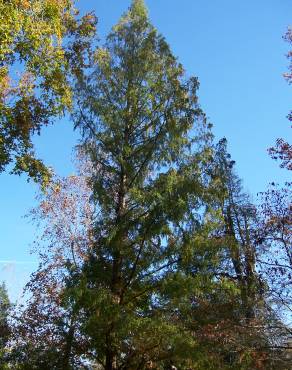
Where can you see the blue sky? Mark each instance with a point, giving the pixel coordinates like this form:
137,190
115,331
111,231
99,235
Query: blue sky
236,50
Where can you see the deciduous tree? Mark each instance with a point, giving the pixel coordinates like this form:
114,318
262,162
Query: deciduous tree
47,334
5,329
283,149
37,41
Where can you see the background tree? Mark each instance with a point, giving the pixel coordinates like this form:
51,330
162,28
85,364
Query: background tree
37,39
5,329
283,149
232,302
257,240
276,240
275,233
239,228
46,334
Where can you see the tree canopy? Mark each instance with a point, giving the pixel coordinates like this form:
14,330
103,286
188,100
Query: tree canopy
152,255
37,39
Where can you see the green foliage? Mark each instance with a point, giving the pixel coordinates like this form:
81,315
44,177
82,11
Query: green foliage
153,195
4,325
151,259
36,42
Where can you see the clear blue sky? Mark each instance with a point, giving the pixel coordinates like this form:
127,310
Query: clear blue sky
236,50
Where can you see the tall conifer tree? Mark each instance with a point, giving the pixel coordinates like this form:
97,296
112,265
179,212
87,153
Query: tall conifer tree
136,111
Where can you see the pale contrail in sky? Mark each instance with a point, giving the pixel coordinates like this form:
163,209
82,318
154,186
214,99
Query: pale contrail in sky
18,262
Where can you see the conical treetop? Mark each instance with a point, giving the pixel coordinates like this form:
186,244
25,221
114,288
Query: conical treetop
138,8
137,14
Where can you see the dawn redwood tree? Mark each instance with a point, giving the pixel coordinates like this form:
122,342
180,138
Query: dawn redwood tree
136,111
43,43
224,316
239,229
257,241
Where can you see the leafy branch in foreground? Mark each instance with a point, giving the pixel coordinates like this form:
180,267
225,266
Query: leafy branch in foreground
43,43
